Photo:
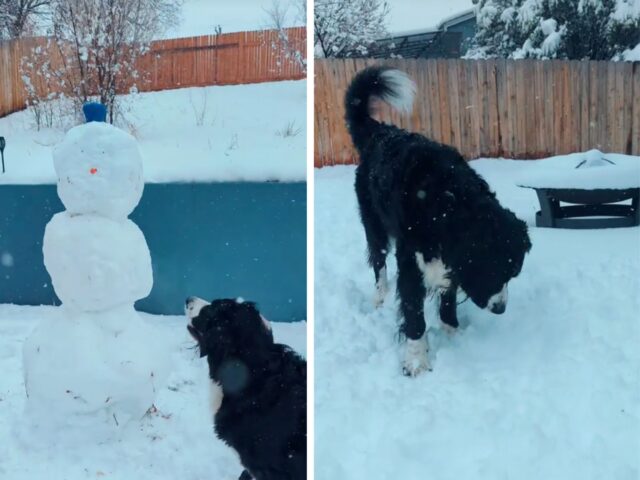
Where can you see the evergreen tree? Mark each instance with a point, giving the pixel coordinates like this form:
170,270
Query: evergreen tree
568,29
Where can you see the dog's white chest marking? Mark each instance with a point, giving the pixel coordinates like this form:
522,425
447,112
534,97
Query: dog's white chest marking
434,272
215,396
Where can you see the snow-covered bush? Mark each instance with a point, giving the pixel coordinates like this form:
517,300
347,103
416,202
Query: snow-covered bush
289,130
566,29
279,15
48,107
346,28
94,48
199,106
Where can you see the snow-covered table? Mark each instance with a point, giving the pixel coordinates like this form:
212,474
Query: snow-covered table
594,189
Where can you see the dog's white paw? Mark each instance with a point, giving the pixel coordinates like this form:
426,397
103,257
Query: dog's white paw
448,329
382,288
416,359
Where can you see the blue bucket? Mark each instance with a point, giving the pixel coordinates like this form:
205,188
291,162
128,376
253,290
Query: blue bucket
94,112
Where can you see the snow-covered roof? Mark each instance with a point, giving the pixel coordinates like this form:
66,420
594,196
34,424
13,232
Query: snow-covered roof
445,22
408,16
411,33
457,18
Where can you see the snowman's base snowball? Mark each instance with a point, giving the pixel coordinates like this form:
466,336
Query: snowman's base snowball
103,367
96,263
99,170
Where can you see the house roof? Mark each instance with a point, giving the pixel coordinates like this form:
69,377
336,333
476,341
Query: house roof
457,18
444,24
424,42
411,15
418,45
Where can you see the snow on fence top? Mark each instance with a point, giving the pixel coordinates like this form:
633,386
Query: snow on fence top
225,59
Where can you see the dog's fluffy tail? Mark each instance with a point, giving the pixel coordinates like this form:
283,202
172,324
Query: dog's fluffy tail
388,84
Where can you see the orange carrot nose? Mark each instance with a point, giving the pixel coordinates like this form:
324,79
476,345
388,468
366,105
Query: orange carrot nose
93,171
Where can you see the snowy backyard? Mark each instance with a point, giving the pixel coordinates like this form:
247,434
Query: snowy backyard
239,132
550,389
176,441
107,358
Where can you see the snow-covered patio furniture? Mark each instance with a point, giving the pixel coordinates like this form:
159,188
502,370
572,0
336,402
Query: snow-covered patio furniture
594,187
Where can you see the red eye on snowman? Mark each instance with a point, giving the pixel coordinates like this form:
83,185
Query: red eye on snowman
93,171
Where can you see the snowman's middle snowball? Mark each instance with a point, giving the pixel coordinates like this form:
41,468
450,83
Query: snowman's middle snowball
96,263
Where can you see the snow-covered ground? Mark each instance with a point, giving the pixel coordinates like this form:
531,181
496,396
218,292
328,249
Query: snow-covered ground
200,17
241,132
408,15
174,442
550,389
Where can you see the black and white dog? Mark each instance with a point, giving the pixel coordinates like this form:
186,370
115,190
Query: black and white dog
259,388
450,231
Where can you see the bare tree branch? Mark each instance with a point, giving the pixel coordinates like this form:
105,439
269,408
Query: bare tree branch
18,17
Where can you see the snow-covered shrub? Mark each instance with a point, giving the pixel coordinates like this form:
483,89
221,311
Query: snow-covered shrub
289,130
566,29
344,28
48,107
95,45
279,15
199,106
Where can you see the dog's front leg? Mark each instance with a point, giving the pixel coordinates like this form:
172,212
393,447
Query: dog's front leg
245,475
411,292
448,307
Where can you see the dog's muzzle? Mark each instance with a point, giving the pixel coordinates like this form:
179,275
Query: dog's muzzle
498,303
193,305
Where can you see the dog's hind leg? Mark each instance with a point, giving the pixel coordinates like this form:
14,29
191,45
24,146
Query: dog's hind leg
382,286
412,292
448,307
377,240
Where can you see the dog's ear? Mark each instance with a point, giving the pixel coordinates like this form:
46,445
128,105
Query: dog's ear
253,335
525,235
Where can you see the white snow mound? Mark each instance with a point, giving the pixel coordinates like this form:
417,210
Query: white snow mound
96,263
93,364
596,170
99,169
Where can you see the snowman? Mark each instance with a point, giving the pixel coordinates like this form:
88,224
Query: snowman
97,358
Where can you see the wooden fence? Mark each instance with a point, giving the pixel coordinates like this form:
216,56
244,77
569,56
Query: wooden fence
496,108
227,59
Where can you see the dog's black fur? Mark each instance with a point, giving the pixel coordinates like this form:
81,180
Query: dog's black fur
264,384
426,196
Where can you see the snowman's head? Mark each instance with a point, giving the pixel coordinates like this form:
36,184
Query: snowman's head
99,169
